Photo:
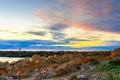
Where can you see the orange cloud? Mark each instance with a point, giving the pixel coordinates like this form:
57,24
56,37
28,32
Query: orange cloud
78,25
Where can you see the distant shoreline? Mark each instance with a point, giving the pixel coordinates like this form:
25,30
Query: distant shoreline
47,53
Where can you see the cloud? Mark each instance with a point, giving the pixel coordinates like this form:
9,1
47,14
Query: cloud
3,30
37,33
100,48
95,15
71,40
57,35
112,43
103,14
58,27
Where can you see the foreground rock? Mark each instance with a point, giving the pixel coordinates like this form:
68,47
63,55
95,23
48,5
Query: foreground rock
21,68
4,68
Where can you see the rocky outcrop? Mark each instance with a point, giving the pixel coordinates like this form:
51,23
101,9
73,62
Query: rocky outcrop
115,54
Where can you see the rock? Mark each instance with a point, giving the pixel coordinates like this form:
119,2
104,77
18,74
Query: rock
53,59
8,78
38,61
74,69
94,75
63,69
87,59
58,72
114,54
82,77
76,59
82,68
49,74
22,63
66,79
21,68
2,65
22,73
74,78
4,68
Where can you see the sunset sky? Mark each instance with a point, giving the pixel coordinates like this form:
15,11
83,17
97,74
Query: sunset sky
59,24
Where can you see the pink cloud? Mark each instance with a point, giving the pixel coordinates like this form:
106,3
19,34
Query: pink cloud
85,14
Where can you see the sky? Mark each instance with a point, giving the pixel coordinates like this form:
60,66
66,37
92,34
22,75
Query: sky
59,24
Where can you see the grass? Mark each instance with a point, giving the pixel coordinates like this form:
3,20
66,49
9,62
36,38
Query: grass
111,79
53,62
111,68
64,61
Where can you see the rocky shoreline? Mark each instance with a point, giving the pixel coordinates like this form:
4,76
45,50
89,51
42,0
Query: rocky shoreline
56,67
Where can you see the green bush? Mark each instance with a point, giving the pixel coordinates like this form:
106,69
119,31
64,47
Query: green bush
113,63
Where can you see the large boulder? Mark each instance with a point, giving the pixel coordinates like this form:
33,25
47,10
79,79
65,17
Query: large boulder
53,59
63,69
49,74
23,72
76,59
87,59
38,61
4,68
66,56
23,63
21,68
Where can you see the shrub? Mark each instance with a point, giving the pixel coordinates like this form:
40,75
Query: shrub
114,63
64,61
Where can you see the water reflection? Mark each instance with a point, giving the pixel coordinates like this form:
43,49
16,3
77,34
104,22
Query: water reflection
9,59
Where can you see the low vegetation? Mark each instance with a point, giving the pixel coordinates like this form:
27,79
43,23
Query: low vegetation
111,67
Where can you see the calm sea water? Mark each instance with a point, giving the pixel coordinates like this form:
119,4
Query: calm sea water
9,59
